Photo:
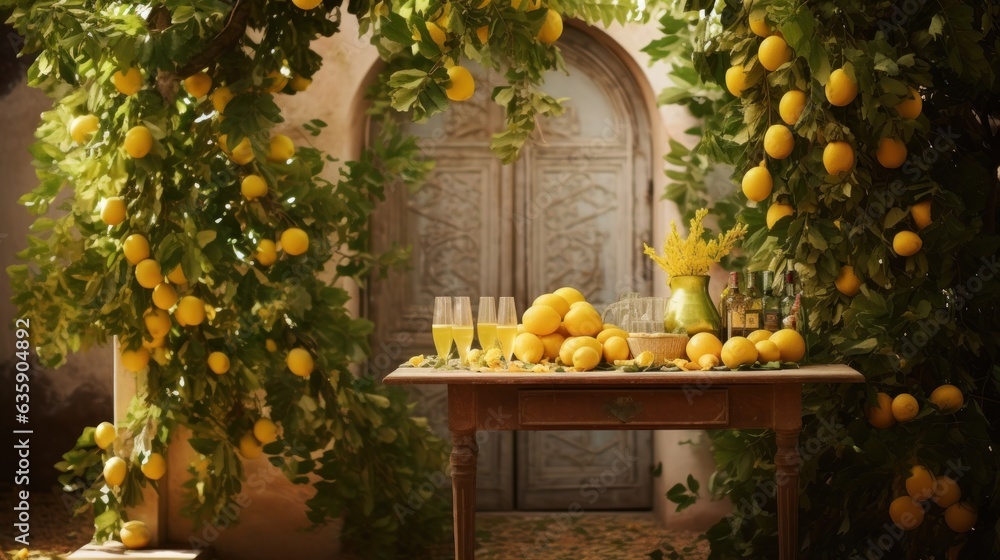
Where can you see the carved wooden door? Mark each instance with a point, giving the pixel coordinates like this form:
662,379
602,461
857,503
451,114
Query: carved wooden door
572,211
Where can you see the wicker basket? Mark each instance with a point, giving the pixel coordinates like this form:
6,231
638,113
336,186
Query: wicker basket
664,346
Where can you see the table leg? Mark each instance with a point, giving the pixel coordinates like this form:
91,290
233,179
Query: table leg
787,429
464,453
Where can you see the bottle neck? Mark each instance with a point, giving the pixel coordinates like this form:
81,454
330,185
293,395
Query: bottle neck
734,281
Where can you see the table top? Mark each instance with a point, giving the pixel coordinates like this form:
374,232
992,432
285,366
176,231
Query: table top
828,373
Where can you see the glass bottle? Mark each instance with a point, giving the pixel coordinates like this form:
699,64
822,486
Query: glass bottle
770,304
791,303
754,304
735,310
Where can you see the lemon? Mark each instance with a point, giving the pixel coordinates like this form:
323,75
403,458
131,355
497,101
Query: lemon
272,346
906,243
571,295
221,98
218,362
947,398
249,447
135,535
307,4
299,83
154,343
552,28
113,211
177,276
528,348
157,322
584,321
437,34
148,273
841,89
483,33
115,470
610,331
773,52
767,351
461,85
253,186
777,212
790,343
615,348
910,107
778,141
105,434
946,491
880,415
961,517
300,362
920,483
847,282
759,335
708,361
135,360
572,344
758,23
757,183
82,127
921,214
701,344
294,241
164,296
541,320
551,343
586,304
128,82
532,5
243,152
135,248
198,85
190,311
906,513
267,253
154,467
644,359
138,142
265,431
280,149
738,351
555,302
891,152
838,157
736,79
905,408
276,81
586,358
791,106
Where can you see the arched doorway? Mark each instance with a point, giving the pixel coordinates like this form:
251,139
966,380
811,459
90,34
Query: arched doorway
573,210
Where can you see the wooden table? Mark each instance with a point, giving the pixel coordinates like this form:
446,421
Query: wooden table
624,401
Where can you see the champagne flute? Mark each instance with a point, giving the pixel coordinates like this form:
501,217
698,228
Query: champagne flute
507,326
487,325
442,327
462,330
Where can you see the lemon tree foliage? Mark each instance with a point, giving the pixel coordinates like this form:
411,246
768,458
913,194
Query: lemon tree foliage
889,207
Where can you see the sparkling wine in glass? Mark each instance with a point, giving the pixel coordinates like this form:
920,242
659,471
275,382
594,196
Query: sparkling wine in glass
487,324
442,326
462,329
507,326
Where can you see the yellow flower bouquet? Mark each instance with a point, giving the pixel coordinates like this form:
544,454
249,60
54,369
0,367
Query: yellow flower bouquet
694,256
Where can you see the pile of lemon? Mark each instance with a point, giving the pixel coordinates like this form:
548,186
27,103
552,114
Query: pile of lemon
760,346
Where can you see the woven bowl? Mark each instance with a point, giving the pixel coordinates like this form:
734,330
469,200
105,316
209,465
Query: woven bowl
664,346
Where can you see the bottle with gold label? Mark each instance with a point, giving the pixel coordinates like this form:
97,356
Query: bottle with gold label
734,305
754,304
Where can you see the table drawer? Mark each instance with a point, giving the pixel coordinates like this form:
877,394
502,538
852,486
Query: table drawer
608,408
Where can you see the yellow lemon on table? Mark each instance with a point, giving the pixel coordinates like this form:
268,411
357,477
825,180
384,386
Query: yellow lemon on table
280,149
911,107
267,253
81,128
584,321
701,344
294,241
115,470
906,513
946,491
541,320
157,322
586,358
757,183
905,408
736,79
300,362
164,295
198,85
190,311
221,98
528,348
218,362
265,430
615,348
135,535
249,447
880,415
921,214
776,212
948,398
847,282
767,351
920,483
758,24
154,467
138,142
791,106
552,29
906,243
738,351
148,274
773,52
572,344
961,517
555,302
135,360
609,332
891,152
759,335
105,434
841,89
461,85
791,345
128,82
571,295
778,141
838,157
113,211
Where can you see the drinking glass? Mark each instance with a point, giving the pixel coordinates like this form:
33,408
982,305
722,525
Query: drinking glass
507,326
442,326
487,324
462,329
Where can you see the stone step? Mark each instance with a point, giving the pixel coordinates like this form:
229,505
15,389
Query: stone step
116,551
